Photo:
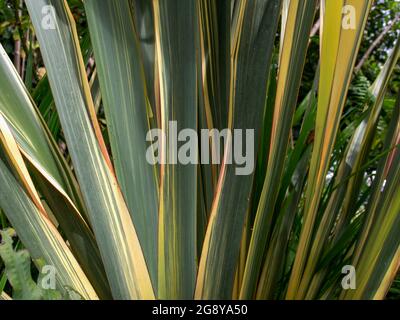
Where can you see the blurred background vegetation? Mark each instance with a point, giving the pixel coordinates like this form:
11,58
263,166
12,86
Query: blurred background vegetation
383,28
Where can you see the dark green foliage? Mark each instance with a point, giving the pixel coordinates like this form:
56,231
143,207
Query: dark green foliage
18,271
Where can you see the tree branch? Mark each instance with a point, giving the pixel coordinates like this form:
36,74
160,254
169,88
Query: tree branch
376,42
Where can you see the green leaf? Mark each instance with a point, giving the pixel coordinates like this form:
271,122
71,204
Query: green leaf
4,296
176,34
274,262
124,94
29,129
18,269
339,49
65,210
39,235
377,254
299,21
343,199
251,51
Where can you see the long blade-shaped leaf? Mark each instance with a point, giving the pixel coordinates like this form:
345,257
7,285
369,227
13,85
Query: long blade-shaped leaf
251,52
67,214
4,296
29,129
362,139
176,29
357,151
214,20
123,88
339,47
274,267
299,21
118,242
144,28
376,257
39,235
383,243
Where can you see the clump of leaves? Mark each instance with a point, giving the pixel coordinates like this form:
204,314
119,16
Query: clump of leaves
18,271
